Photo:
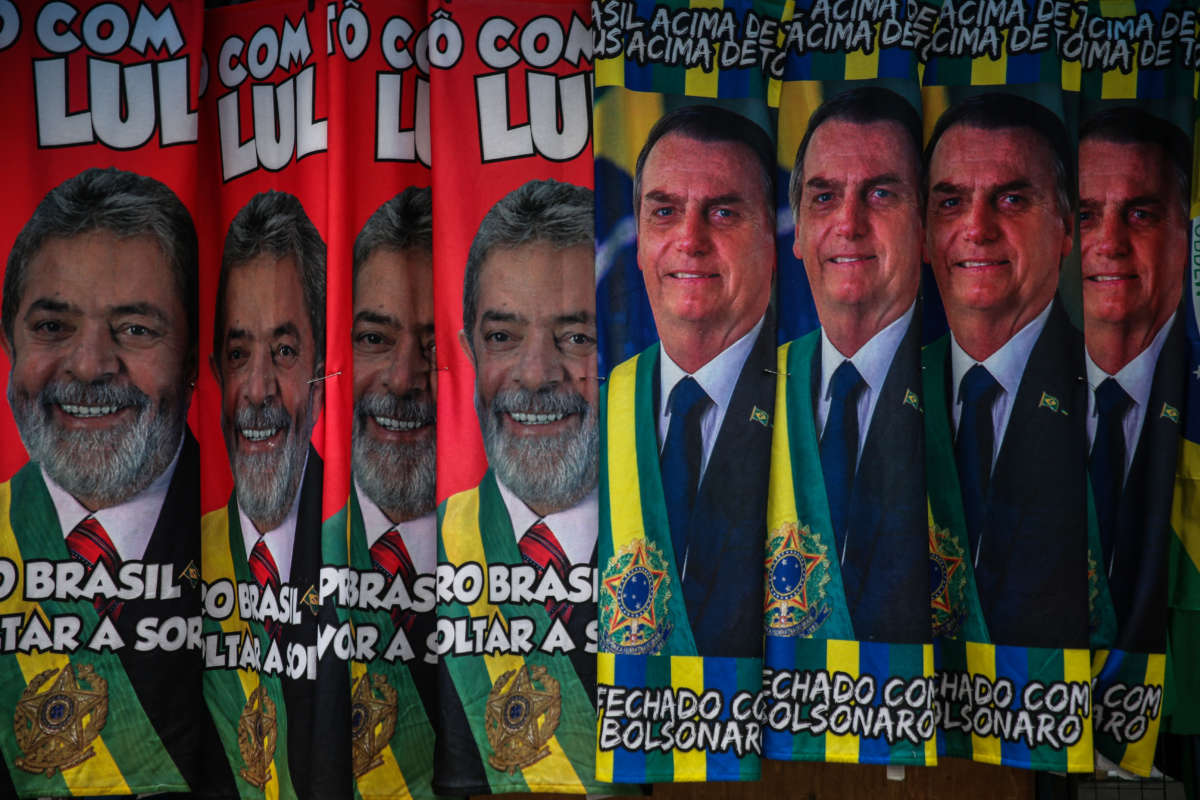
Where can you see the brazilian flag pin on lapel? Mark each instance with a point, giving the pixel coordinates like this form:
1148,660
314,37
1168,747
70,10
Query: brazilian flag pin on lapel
1051,402
760,416
912,399
1169,412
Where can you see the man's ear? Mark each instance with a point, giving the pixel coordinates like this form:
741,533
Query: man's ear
215,367
7,345
464,342
318,390
1068,235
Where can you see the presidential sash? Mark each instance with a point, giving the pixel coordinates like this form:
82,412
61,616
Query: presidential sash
1020,706
831,698
241,679
527,711
391,735
78,727
649,672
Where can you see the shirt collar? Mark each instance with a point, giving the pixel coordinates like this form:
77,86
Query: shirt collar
1136,377
129,525
1007,364
718,377
576,528
279,540
419,535
873,359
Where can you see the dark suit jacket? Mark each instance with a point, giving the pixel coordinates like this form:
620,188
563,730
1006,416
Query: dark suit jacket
1032,575
887,532
1138,582
723,586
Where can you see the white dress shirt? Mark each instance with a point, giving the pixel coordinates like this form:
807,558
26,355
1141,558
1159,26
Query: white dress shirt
1137,379
576,528
419,535
1007,366
873,360
129,525
280,540
717,378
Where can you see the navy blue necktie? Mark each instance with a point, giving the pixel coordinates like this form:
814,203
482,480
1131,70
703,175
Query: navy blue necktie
973,448
1106,467
839,449
680,461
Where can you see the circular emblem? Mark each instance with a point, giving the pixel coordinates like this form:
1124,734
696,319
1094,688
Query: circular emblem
358,718
947,582
56,712
787,575
937,574
257,732
516,712
634,593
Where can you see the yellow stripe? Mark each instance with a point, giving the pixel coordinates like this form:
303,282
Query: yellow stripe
697,82
606,674
1185,506
1077,667
934,102
841,656
1139,755
1114,85
1072,71
1195,198
928,672
774,85
463,544
800,99
385,780
987,71
863,66
624,490
611,71
781,495
217,560
98,774
623,120
687,672
981,660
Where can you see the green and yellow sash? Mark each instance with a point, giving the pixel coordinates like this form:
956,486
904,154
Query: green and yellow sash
540,691
646,639
94,737
403,765
252,727
809,630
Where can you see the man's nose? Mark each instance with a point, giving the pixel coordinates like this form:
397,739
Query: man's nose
851,217
1112,237
540,363
95,356
693,233
979,222
261,381
411,368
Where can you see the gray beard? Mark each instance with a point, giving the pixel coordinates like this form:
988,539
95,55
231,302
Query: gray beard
400,479
267,483
106,467
551,472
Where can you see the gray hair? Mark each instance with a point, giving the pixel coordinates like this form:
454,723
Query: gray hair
123,203
275,223
403,223
560,214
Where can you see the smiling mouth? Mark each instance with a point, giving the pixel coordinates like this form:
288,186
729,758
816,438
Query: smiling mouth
88,412
536,419
980,263
682,275
850,259
392,424
258,434
1110,278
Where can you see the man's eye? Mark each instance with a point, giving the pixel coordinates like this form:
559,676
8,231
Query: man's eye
497,337
823,197
1142,215
49,326
370,338
235,355
579,339
723,213
663,211
882,194
1012,200
949,203
286,353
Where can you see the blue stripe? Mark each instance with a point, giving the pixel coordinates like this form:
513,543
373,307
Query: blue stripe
896,62
1013,663
1024,68
779,654
873,660
721,674
1151,84
629,767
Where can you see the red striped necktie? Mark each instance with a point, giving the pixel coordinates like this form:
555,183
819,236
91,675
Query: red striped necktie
88,543
541,550
266,573
390,556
